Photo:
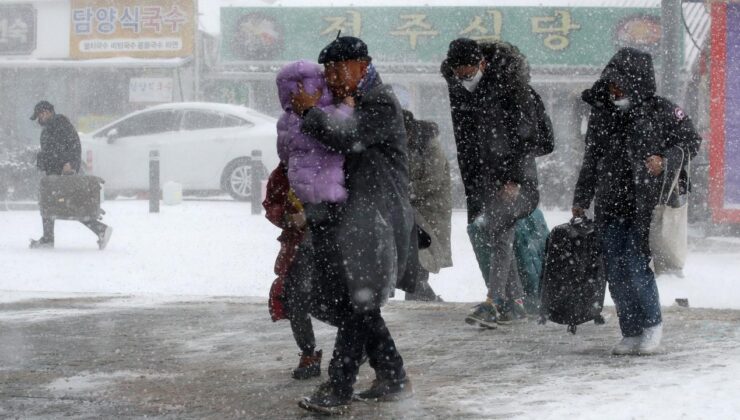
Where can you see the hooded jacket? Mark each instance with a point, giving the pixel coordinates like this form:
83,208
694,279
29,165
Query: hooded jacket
618,142
315,172
60,144
499,128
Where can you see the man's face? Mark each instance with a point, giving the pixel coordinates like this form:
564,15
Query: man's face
44,116
615,91
468,72
343,77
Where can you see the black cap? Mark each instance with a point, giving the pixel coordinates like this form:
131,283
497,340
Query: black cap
41,106
342,49
463,52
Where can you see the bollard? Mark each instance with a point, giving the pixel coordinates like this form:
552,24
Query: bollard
154,181
256,181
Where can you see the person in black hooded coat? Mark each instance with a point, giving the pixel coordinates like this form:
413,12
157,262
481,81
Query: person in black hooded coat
500,126
635,140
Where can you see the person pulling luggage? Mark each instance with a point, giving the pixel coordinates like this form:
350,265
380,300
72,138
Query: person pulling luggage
633,136
60,154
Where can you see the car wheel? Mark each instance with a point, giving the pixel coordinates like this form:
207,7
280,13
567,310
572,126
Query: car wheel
237,179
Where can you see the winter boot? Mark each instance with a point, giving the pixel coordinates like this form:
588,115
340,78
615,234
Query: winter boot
650,340
104,237
627,346
41,243
309,366
387,390
484,314
325,400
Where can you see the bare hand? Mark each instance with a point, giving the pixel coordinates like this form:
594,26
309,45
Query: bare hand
301,101
510,191
654,165
578,212
67,169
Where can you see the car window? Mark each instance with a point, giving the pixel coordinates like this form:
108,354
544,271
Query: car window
147,123
201,120
231,121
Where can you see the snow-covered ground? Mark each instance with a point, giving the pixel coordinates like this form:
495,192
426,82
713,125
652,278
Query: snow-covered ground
217,248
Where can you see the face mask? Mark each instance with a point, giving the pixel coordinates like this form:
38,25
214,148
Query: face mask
623,104
472,83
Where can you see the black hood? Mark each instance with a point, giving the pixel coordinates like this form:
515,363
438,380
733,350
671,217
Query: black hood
507,70
631,70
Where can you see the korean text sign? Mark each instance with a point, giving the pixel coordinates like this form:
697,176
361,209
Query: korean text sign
130,28
573,36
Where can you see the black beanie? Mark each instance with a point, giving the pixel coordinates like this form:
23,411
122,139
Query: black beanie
463,52
342,49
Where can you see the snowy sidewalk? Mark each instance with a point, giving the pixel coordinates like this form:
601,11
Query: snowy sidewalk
117,356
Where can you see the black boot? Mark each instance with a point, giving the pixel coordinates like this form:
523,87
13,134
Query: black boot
325,400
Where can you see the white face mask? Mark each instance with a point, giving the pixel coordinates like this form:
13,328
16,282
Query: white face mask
623,104
472,83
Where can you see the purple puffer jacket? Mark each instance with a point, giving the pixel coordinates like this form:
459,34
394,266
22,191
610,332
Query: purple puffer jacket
316,174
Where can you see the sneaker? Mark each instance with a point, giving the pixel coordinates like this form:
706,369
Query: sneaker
627,346
104,237
650,340
484,315
326,401
309,366
41,243
387,390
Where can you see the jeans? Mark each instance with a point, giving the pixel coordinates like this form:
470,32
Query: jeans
631,281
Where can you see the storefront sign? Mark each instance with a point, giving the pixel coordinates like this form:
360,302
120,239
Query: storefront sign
150,89
548,36
17,29
130,28
724,152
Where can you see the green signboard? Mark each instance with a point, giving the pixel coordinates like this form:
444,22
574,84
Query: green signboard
581,36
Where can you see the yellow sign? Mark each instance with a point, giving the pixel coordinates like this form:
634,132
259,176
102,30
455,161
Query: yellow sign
132,28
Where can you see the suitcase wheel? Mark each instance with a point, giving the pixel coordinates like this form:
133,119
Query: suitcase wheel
572,329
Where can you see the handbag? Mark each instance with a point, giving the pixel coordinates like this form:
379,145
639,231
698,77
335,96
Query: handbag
668,227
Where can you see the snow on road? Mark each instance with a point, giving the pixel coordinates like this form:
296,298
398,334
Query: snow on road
217,248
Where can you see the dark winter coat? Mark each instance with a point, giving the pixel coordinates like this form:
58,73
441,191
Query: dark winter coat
60,144
499,128
430,191
374,226
618,142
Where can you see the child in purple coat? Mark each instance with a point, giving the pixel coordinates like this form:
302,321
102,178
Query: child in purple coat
315,173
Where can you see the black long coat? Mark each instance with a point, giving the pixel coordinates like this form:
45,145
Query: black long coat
60,144
374,226
499,128
614,174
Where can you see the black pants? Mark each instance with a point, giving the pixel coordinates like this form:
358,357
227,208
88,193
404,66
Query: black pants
363,331
357,332
94,225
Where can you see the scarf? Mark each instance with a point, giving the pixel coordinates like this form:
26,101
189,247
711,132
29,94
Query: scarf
368,81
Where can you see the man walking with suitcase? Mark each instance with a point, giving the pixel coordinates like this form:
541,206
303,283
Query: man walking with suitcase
634,138
60,154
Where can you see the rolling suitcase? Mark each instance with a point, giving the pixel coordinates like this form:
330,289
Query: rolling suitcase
573,283
70,197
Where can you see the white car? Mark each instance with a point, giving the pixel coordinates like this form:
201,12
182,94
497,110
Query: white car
203,146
